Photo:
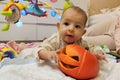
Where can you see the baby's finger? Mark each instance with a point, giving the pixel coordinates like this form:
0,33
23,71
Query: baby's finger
55,57
57,51
105,60
118,51
103,57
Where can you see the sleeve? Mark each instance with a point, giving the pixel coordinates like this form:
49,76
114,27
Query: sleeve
49,44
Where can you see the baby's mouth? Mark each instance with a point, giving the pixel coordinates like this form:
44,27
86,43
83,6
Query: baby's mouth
69,39
71,36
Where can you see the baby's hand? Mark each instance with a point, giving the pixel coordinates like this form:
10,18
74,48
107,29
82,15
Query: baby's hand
53,56
48,55
100,55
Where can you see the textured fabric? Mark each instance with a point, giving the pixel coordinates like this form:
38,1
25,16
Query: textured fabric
25,67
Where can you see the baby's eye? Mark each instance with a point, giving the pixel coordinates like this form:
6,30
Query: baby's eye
77,26
66,23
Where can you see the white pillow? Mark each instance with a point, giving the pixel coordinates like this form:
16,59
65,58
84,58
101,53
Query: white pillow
99,17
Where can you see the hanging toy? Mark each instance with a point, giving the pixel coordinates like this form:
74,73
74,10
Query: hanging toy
67,5
53,13
11,11
34,9
53,1
77,62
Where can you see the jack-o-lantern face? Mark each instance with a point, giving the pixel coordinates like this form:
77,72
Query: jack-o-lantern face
77,62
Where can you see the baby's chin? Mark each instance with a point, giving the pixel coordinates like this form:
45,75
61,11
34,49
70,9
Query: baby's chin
69,42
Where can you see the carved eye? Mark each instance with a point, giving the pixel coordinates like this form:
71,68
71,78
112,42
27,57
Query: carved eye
64,51
75,57
68,66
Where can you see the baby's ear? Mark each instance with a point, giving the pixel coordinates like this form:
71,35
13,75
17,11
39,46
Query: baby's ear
58,25
84,31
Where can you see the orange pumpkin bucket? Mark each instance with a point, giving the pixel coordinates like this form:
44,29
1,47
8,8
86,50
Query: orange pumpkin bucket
77,62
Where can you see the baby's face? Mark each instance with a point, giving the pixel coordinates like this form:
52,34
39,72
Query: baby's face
71,27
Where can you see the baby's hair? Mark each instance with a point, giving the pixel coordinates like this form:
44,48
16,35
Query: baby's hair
79,10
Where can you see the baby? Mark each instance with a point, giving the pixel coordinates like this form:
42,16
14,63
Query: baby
71,28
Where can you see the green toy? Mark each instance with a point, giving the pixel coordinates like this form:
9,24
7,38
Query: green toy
106,49
114,53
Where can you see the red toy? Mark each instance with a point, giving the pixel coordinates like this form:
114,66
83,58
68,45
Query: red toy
77,62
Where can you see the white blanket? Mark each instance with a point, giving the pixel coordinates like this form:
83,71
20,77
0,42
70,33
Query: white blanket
25,67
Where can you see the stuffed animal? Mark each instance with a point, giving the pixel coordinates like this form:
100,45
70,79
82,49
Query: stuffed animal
77,62
12,14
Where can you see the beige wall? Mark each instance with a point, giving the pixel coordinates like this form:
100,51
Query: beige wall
96,5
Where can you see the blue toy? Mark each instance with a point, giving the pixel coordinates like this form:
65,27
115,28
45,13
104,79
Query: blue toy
34,9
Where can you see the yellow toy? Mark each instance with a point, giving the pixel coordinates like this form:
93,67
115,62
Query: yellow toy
7,53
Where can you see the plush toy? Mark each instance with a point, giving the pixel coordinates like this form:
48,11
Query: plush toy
11,11
77,62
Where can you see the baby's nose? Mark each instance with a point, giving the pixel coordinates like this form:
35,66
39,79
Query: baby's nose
71,28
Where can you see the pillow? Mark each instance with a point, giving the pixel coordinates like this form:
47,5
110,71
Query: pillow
100,9
98,18
97,5
113,11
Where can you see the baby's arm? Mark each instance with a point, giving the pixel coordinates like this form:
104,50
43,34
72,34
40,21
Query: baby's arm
48,49
47,55
100,53
97,51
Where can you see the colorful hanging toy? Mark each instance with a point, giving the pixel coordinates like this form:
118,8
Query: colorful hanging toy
7,53
11,11
34,9
53,1
77,62
68,4
14,9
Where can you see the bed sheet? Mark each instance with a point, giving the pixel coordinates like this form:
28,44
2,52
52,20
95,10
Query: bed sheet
26,67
